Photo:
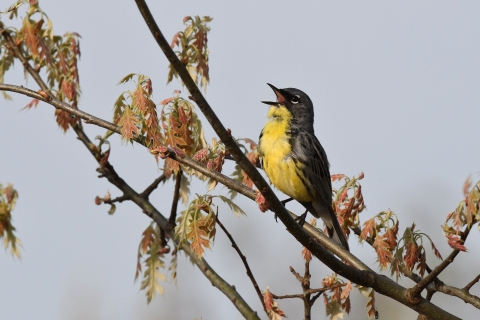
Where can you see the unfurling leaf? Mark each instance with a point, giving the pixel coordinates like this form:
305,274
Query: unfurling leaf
455,242
236,209
192,50
31,104
196,227
307,255
129,124
273,311
184,189
8,199
112,209
262,203
151,246
368,229
383,253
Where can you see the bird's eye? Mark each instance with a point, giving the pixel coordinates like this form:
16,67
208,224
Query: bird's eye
295,99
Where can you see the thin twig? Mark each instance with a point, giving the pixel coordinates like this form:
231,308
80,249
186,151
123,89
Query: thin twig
117,199
471,283
311,291
245,263
296,274
307,303
315,297
146,193
176,197
163,238
459,293
430,295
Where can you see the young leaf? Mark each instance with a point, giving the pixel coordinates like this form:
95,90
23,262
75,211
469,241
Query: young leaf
236,209
129,124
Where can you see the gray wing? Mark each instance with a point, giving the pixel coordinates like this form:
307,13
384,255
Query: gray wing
307,149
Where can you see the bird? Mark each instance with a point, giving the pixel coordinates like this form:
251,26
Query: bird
295,161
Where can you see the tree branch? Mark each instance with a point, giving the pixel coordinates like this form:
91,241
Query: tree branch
176,196
245,263
471,283
459,293
311,291
117,199
146,193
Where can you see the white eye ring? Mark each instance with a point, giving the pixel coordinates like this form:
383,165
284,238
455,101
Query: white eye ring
295,99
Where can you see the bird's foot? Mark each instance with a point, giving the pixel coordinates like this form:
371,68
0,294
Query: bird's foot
283,202
301,219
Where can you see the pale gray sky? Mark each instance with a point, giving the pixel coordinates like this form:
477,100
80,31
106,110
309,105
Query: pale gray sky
396,93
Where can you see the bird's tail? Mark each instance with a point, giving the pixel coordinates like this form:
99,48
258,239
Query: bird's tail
336,232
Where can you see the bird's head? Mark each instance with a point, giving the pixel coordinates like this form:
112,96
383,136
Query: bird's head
295,101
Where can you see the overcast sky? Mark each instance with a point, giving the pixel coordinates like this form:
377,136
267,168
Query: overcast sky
396,95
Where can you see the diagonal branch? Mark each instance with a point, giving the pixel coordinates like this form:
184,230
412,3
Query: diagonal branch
311,291
471,283
245,263
176,196
459,293
146,193
117,199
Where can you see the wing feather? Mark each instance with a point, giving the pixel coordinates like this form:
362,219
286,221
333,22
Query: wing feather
308,150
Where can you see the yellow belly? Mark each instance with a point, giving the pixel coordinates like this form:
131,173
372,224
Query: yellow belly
280,168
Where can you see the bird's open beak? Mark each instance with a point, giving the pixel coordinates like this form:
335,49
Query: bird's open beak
280,97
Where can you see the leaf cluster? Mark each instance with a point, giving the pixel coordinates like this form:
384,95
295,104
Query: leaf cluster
8,199
197,224
249,148
152,253
348,201
337,299
192,50
464,217
56,55
273,310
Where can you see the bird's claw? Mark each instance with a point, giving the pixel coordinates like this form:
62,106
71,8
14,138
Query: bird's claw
301,219
284,202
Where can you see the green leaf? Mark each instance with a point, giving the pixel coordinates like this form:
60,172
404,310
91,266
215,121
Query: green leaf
184,189
112,209
127,78
236,209
14,6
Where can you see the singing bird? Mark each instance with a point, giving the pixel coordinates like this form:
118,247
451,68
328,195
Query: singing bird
295,161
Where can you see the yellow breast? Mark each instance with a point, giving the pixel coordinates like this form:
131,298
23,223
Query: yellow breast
275,149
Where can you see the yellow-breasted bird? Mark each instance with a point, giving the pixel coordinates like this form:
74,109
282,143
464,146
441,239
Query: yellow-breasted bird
295,161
